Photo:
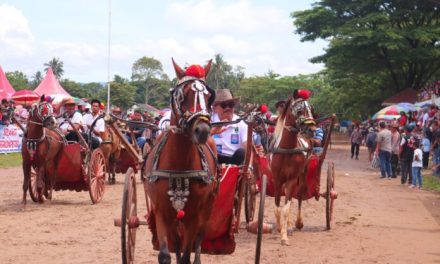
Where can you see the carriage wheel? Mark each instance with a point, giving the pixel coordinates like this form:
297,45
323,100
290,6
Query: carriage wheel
328,197
250,200
260,219
33,185
96,175
128,218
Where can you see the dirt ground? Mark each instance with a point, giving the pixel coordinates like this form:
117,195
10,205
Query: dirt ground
375,221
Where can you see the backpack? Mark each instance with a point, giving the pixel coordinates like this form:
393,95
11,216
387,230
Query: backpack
371,140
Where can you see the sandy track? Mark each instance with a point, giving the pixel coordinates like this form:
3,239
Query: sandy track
375,221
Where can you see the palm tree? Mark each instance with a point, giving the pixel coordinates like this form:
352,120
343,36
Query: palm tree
57,67
36,79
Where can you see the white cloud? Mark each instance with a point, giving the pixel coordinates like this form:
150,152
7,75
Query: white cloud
16,38
214,16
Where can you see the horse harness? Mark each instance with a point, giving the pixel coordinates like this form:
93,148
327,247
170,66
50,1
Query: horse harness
178,181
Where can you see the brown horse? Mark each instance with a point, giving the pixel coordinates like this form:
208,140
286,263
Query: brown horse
111,148
181,174
42,147
289,164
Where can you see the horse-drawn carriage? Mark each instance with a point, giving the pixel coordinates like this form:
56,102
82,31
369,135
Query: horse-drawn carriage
192,206
50,162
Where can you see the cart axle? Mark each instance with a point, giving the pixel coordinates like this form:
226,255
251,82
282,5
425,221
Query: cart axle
133,222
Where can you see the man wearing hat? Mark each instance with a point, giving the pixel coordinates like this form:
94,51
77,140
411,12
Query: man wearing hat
68,111
230,139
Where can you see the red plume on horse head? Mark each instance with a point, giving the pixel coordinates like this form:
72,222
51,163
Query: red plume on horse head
194,70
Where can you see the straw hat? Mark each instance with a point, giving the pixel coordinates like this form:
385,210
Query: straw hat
225,95
68,100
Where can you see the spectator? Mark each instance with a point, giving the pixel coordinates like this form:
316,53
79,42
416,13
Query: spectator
383,150
417,166
356,140
371,142
406,155
403,119
435,146
395,143
426,146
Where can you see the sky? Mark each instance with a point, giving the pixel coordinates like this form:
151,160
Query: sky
257,35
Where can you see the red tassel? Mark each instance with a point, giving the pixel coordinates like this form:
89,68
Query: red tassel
263,108
180,214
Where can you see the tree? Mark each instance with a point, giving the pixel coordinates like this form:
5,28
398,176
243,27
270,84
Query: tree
148,72
223,75
122,93
397,41
57,67
18,80
36,79
73,88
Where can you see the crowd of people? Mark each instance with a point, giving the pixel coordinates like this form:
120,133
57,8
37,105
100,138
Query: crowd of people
402,146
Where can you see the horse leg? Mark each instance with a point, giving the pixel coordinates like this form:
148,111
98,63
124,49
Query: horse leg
164,254
52,178
40,182
285,210
277,196
177,248
198,249
299,222
26,181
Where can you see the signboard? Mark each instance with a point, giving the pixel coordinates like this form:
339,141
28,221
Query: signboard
10,139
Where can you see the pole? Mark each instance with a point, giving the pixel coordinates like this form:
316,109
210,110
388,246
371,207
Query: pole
108,55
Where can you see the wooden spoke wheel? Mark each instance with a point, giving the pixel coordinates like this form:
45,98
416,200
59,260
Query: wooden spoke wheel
260,219
33,193
96,176
329,195
250,199
129,220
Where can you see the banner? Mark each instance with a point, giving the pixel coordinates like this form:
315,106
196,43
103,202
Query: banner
10,139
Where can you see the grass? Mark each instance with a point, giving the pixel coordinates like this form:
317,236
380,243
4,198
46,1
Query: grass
431,183
10,160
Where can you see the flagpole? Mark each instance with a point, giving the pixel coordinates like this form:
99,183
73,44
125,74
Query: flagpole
108,55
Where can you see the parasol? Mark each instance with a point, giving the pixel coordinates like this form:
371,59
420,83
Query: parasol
25,97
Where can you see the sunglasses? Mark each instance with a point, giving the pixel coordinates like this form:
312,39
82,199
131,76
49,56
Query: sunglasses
227,104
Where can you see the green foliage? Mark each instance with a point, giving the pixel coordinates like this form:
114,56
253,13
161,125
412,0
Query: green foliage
57,67
224,76
36,80
10,160
18,80
149,78
431,182
73,88
122,93
395,40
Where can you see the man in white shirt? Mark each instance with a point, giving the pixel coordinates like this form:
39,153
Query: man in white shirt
68,112
96,132
230,139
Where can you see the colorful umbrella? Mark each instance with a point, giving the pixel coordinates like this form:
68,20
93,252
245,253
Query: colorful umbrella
25,97
79,101
389,113
409,106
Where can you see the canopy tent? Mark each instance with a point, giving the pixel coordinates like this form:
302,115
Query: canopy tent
50,86
407,95
6,90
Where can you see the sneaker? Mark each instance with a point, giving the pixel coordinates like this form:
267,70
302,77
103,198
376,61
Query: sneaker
420,188
389,178
411,186
382,177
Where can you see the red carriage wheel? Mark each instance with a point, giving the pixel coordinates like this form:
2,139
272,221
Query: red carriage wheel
330,194
260,218
33,185
129,219
96,176
250,199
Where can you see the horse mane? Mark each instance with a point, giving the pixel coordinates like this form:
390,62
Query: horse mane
280,122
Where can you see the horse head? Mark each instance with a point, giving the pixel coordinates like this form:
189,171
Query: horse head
301,112
191,102
42,114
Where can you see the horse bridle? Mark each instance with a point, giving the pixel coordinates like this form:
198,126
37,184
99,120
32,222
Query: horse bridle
201,108
40,115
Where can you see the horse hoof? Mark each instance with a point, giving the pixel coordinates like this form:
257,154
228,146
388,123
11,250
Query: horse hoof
290,232
299,225
285,242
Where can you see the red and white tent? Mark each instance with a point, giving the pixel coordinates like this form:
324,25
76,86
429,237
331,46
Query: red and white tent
50,86
6,90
